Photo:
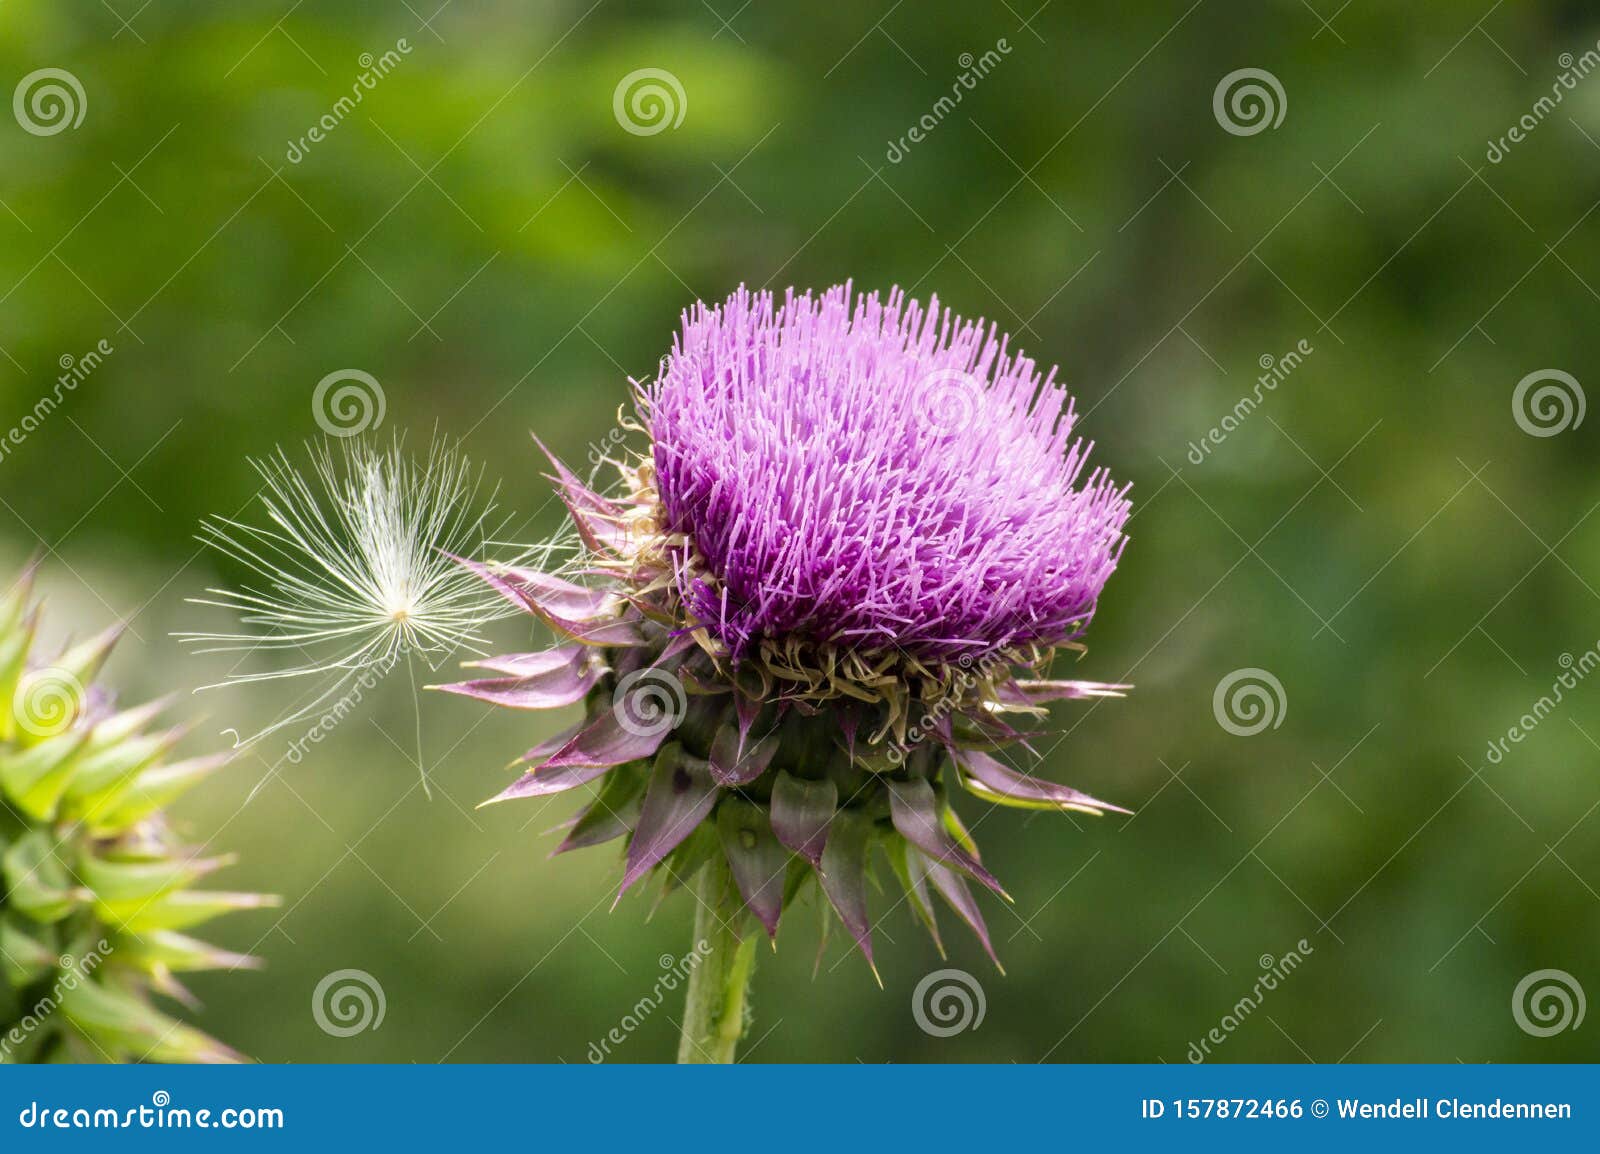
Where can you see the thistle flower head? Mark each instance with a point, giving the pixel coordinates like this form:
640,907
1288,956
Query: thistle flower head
857,537
95,886
352,565
886,477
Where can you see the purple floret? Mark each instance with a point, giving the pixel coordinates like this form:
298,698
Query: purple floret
884,478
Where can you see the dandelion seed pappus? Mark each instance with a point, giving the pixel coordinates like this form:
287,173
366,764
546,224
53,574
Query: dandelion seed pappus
355,566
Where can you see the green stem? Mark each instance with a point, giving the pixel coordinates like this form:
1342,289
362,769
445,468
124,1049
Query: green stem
716,1006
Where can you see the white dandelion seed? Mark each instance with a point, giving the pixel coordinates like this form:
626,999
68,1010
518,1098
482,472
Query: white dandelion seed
354,573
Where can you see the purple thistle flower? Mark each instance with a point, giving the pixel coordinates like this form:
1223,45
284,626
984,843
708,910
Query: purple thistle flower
855,543
891,477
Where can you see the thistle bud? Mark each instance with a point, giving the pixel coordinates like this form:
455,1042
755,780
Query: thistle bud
93,882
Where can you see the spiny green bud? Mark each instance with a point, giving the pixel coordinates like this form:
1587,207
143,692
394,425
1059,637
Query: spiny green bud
94,885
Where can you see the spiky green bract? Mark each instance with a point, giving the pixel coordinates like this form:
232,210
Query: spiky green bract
95,888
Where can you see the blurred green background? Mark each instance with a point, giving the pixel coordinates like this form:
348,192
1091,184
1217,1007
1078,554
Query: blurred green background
485,237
